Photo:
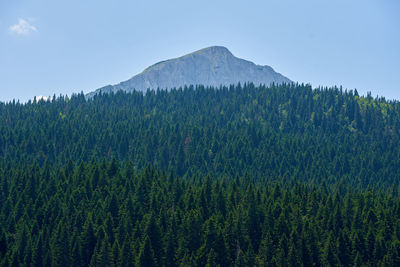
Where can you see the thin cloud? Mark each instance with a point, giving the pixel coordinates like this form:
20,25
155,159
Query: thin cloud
22,28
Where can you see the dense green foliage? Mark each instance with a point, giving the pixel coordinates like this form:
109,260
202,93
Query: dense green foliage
98,214
283,132
239,176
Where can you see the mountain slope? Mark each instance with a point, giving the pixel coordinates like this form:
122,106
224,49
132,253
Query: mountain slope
288,132
212,66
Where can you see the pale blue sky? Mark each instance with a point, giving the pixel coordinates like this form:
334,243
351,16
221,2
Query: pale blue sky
61,47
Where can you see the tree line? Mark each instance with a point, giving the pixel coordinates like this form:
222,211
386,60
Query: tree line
288,132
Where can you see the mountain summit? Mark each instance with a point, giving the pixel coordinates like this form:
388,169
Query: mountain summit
212,66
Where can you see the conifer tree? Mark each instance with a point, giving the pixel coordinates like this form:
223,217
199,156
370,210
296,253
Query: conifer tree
329,253
88,241
146,255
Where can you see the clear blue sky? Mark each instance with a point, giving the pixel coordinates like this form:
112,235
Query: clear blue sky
48,47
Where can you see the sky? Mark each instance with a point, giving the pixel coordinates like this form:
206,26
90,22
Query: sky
65,47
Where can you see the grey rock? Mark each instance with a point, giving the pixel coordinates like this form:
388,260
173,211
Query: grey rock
213,66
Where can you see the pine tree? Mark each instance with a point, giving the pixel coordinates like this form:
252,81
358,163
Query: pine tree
171,243
329,254
115,251
369,244
343,249
38,252
211,259
152,230
146,255
75,253
113,208
358,244
60,247
126,257
379,249
103,256
88,241
266,251
249,258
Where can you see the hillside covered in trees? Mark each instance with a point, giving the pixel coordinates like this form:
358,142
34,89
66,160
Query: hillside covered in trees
235,176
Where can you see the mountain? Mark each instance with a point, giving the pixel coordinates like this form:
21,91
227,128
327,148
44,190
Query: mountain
212,66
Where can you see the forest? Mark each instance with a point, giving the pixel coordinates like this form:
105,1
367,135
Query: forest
245,175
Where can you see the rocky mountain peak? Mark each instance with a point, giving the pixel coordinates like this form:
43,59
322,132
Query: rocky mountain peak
212,66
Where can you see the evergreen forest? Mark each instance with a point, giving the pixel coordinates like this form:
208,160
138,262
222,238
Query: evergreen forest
284,175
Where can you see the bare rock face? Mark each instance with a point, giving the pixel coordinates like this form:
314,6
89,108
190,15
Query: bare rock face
212,66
